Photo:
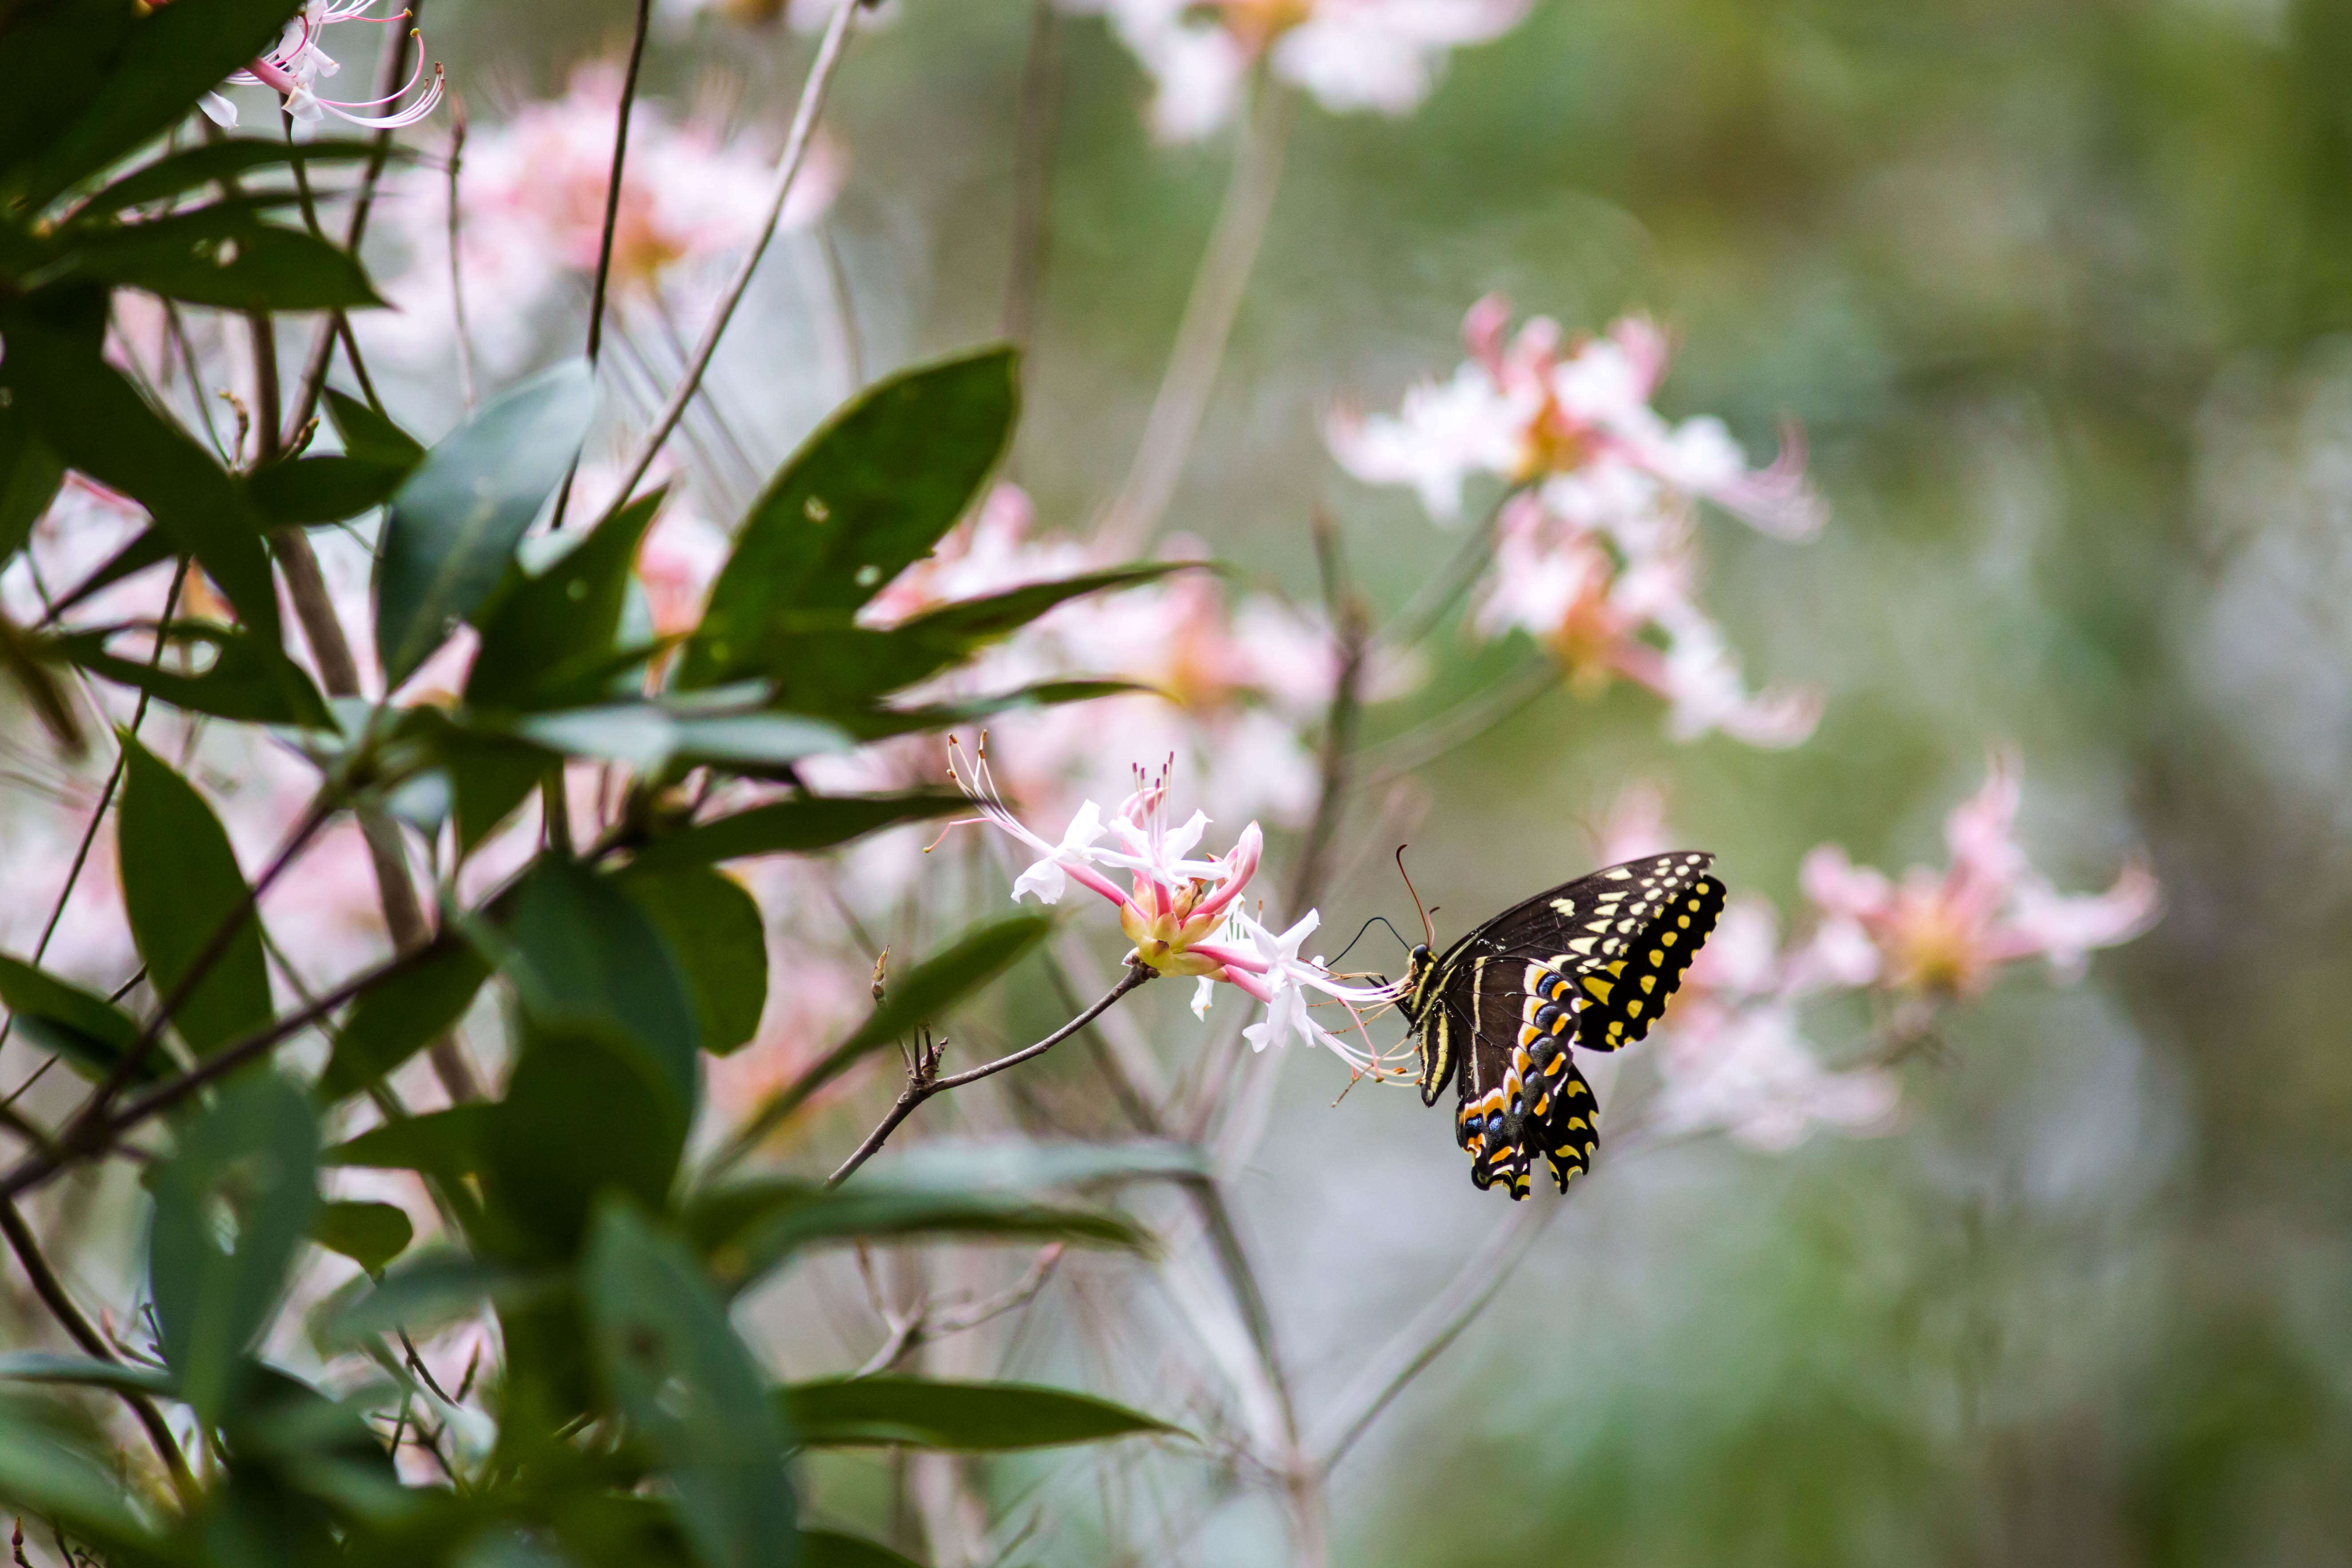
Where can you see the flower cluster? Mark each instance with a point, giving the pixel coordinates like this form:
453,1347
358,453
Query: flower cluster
1596,555
294,67
1185,913
1732,1052
531,216
1349,54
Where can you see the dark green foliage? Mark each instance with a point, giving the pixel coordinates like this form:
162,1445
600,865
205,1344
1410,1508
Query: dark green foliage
713,929
866,496
181,887
796,826
377,456
224,256
242,677
456,521
370,1235
396,1020
547,638
89,1032
251,1153
992,1417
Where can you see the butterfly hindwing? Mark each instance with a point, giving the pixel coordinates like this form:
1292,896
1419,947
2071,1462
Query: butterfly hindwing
1592,960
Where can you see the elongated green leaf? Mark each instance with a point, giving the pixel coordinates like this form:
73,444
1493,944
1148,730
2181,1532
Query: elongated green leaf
225,256
455,522
244,679
747,1228
429,1293
651,736
147,548
560,621
54,1473
866,496
922,993
89,1032
192,168
975,1418
181,885
830,1549
585,958
96,422
584,1115
85,1372
138,80
376,460
716,935
402,1017
446,1143
252,1154
30,474
1020,1165
881,723
796,826
369,1235
670,1361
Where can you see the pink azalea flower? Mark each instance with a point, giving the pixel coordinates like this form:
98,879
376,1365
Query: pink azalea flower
1948,933
292,68
1352,55
1747,1072
1183,912
1577,426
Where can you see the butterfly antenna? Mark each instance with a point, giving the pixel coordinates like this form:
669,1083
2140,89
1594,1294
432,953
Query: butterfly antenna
1428,931
1375,920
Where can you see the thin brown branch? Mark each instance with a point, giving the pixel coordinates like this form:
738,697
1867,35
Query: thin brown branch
52,1292
467,393
921,1085
926,1323
612,184
788,168
1033,171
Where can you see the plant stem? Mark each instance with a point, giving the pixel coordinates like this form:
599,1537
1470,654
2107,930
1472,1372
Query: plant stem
467,391
1132,516
1438,1325
919,1088
1033,171
788,167
612,185
107,1131
52,1292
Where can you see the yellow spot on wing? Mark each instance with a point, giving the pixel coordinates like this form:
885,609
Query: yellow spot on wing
1599,987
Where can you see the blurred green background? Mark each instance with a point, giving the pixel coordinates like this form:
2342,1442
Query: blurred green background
2058,291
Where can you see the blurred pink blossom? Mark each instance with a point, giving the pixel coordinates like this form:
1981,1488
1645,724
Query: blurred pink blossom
532,196
1352,55
800,16
1577,426
1747,1072
1947,935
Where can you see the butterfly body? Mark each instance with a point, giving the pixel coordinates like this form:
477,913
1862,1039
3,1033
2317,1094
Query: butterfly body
1591,962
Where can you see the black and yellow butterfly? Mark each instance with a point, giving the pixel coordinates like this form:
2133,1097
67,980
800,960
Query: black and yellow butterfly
1593,961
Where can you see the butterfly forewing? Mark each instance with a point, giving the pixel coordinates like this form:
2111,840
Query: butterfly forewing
1593,961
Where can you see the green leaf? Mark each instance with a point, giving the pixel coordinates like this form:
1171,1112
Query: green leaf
585,958
427,1294
132,82
584,1115
796,826
377,457
89,1032
671,1361
922,993
456,521
225,257
402,1017
881,723
209,163
447,1144
147,548
975,1418
747,1228
563,621
97,423
56,1473
87,1371
181,885
30,474
968,624
25,660
1021,1165
870,493
246,680
650,736
251,1156
717,935
830,1549
369,1235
